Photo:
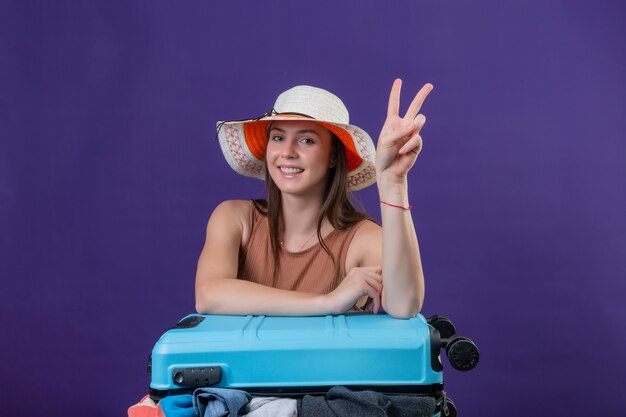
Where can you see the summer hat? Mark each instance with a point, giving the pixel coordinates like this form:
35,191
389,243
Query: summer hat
244,141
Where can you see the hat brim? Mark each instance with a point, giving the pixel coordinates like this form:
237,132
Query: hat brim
244,142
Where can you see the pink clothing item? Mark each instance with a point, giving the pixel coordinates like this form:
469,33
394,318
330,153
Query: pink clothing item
146,408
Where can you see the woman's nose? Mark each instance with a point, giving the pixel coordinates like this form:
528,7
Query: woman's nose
288,150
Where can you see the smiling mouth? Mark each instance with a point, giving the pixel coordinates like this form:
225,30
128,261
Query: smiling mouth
290,170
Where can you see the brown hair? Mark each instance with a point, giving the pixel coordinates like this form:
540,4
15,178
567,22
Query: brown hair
337,206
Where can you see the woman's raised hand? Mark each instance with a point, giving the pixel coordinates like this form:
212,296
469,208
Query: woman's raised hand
360,281
399,142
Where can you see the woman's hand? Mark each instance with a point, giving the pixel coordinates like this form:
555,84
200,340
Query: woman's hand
360,281
399,142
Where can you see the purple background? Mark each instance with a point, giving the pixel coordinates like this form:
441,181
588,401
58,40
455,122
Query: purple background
109,171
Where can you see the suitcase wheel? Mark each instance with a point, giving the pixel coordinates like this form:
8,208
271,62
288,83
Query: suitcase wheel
449,409
443,325
462,353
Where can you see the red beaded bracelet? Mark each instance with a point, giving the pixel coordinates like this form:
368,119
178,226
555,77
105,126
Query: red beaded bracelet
393,205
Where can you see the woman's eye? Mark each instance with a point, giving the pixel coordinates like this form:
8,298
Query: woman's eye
277,138
307,141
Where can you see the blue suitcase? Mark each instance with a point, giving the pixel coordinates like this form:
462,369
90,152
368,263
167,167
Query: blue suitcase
308,355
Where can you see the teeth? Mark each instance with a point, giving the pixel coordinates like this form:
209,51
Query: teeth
291,170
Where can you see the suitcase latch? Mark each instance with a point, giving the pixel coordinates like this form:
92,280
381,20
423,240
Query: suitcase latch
197,377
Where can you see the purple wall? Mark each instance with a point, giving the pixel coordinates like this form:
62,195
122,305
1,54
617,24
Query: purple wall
109,171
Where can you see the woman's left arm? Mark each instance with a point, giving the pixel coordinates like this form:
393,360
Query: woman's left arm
398,146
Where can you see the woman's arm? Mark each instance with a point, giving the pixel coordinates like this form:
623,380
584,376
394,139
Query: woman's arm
398,146
403,292
219,292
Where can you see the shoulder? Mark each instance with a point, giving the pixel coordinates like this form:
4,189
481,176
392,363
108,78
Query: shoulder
367,235
366,245
367,228
231,215
232,209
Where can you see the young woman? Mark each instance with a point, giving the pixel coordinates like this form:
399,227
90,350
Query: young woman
306,250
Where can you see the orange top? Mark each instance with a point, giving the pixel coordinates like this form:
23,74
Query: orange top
310,270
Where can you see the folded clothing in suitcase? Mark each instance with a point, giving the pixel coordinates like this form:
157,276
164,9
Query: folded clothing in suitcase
297,355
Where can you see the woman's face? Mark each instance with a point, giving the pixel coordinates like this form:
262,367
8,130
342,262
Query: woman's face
299,155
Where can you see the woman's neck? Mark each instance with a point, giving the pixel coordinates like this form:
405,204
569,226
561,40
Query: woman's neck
300,216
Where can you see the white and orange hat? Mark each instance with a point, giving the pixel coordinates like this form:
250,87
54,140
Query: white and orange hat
243,142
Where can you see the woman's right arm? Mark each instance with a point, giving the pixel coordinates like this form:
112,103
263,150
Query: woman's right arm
218,291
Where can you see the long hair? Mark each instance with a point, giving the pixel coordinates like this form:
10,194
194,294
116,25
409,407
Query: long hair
337,206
